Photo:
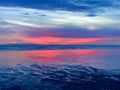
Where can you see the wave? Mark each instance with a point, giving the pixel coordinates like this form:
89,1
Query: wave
58,77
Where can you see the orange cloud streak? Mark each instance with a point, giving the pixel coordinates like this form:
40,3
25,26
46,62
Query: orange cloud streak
56,40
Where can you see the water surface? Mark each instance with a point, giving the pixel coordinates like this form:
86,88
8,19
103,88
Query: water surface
98,58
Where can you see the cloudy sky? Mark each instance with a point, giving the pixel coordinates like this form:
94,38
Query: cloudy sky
60,21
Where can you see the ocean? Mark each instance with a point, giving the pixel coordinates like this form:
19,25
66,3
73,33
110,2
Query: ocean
59,68
102,57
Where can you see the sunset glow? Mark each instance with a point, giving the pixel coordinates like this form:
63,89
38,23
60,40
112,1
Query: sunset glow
54,56
59,44
55,40
41,26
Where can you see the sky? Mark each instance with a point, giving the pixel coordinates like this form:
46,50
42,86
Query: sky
60,22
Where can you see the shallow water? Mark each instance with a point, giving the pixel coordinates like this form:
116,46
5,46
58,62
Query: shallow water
57,69
98,58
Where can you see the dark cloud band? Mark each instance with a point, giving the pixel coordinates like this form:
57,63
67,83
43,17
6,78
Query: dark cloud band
72,5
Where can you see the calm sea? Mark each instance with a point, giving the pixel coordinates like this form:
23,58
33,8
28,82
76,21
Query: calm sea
98,58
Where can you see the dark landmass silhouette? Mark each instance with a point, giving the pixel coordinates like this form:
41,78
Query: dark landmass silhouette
54,47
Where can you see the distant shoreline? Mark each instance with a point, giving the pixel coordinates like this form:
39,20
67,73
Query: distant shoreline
54,47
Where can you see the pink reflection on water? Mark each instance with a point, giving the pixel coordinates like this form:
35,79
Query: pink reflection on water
98,58
61,56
